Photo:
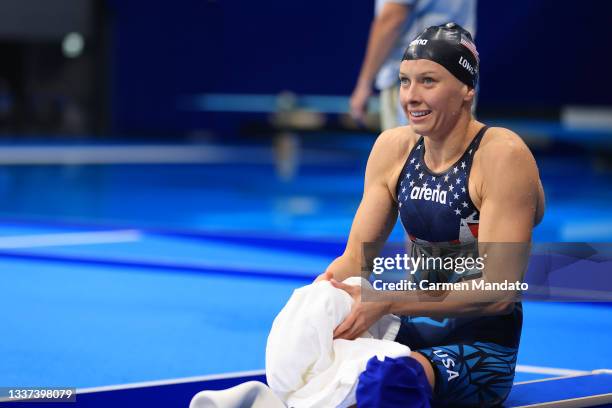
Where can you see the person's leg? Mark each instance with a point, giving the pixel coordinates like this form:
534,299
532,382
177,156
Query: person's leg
401,118
477,374
427,367
388,108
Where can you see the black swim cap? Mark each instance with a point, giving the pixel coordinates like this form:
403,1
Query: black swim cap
451,46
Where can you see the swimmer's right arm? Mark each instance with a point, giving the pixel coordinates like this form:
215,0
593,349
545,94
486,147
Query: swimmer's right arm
377,212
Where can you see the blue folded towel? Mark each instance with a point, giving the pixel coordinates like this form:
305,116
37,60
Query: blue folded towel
394,382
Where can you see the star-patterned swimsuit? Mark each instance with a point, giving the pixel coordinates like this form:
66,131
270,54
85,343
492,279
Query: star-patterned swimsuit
473,357
436,207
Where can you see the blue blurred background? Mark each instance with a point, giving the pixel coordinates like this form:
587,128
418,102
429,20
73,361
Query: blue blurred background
204,73
163,164
537,56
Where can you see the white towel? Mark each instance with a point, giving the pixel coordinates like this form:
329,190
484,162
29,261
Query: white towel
305,367
251,394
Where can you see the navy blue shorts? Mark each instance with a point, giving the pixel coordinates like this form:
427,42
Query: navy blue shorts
473,375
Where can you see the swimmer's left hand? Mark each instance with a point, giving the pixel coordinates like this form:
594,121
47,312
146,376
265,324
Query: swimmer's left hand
362,315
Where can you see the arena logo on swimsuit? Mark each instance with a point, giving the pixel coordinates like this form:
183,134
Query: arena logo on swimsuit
426,193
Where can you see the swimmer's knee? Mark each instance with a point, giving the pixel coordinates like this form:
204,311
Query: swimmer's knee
427,367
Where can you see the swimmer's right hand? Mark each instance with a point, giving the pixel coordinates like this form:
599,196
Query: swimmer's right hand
327,275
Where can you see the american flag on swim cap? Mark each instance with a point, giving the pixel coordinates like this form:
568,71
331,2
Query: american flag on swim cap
470,46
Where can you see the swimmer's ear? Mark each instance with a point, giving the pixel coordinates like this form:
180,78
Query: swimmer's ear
469,94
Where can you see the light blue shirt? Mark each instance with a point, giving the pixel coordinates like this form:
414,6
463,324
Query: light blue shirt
423,14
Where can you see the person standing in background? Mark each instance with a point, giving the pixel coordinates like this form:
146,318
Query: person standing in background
395,24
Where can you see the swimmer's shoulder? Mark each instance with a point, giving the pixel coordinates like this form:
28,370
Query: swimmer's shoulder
395,144
389,154
505,155
501,146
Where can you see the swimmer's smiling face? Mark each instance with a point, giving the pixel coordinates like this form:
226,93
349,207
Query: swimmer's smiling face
432,98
